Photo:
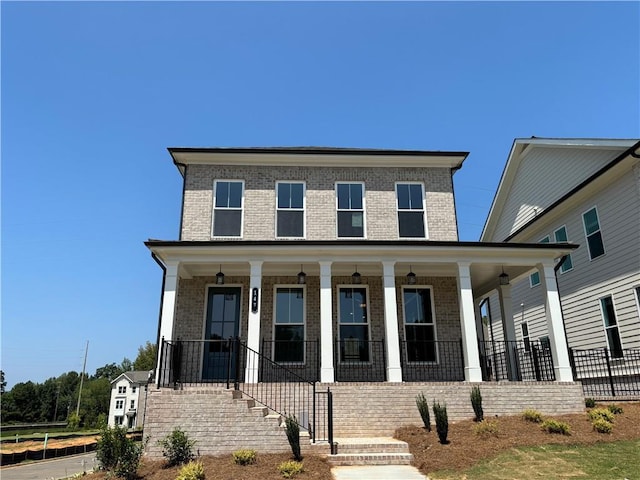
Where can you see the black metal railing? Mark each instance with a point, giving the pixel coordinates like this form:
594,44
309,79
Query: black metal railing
301,357
604,375
360,360
438,361
516,361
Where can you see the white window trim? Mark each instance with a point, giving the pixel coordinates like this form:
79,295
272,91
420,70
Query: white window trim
304,322
303,210
586,237
605,328
433,322
213,204
424,210
364,210
366,287
636,294
566,232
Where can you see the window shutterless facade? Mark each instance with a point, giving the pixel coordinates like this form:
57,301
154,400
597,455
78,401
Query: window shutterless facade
290,204
419,324
350,210
534,278
611,327
593,233
353,324
411,210
227,208
289,322
560,235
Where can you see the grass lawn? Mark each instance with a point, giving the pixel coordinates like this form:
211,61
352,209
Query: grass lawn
603,461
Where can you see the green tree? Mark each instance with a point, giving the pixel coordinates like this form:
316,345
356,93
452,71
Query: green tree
3,384
110,371
126,365
96,395
146,359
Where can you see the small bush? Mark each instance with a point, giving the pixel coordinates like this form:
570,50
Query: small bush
191,471
293,435
589,402
602,413
118,454
423,408
290,468
476,403
531,415
602,426
615,409
244,457
442,421
486,428
554,426
177,448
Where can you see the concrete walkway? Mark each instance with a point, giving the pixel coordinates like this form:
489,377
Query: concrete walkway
377,472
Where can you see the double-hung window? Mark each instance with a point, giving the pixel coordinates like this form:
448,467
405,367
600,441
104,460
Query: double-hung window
350,209
227,212
611,327
354,324
419,326
289,325
534,278
593,233
119,404
122,389
560,236
410,204
290,210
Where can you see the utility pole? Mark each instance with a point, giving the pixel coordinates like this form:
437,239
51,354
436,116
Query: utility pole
84,366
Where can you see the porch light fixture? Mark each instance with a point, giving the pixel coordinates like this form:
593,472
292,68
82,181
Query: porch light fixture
504,278
356,278
220,277
302,277
411,277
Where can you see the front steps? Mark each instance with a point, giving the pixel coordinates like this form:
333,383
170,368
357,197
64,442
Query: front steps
370,451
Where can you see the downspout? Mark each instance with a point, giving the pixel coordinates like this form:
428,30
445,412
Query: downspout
164,277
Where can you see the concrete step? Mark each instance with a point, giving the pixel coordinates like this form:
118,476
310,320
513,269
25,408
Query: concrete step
345,459
371,445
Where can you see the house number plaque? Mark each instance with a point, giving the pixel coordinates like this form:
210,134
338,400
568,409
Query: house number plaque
254,300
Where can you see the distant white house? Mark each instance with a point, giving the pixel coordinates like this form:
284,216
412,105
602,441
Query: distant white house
128,397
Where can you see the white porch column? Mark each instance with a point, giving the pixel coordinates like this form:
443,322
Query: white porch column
326,325
555,327
394,369
167,317
253,328
472,372
509,329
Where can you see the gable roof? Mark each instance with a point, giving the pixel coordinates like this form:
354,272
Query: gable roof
141,377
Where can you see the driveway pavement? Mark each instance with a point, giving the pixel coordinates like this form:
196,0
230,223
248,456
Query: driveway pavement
50,469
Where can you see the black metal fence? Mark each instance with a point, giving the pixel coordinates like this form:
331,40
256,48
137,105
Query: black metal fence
301,357
360,360
441,361
602,375
516,361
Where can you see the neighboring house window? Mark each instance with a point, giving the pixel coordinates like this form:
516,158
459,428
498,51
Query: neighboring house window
289,325
119,404
133,389
545,343
638,297
525,336
534,278
133,404
227,213
117,419
122,389
410,204
350,208
354,324
593,233
560,236
611,327
419,326
290,210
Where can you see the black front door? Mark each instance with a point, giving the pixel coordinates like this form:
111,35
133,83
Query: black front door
223,319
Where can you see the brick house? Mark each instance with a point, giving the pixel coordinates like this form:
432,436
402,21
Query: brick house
341,268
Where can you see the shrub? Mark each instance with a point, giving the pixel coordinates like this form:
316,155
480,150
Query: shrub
118,454
486,428
177,448
191,471
602,426
476,403
423,408
602,413
290,468
442,421
293,435
554,426
615,409
73,422
589,402
244,457
531,415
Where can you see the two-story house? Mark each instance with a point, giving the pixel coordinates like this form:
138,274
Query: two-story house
342,268
128,396
584,191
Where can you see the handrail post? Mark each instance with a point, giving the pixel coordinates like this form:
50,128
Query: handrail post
606,354
160,373
330,421
536,366
229,358
313,430
572,362
238,345
317,359
384,359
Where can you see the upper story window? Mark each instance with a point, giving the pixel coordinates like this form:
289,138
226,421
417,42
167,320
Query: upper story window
560,235
534,278
410,204
227,211
133,389
119,404
350,206
593,233
611,327
290,210
122,389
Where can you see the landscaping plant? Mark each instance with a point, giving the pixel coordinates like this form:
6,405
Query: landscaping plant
290,468
293,435
602,413
600,425
244,457
476,403
486,428
615,409
423,408
118,454
531,415
442,421
191,471
589,402
555,426
177,448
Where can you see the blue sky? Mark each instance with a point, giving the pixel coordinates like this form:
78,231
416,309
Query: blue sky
93,93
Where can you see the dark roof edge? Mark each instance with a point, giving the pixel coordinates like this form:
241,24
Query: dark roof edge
629,152
315,151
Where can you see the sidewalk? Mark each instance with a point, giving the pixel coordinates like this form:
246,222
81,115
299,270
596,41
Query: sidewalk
48,469
377,472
